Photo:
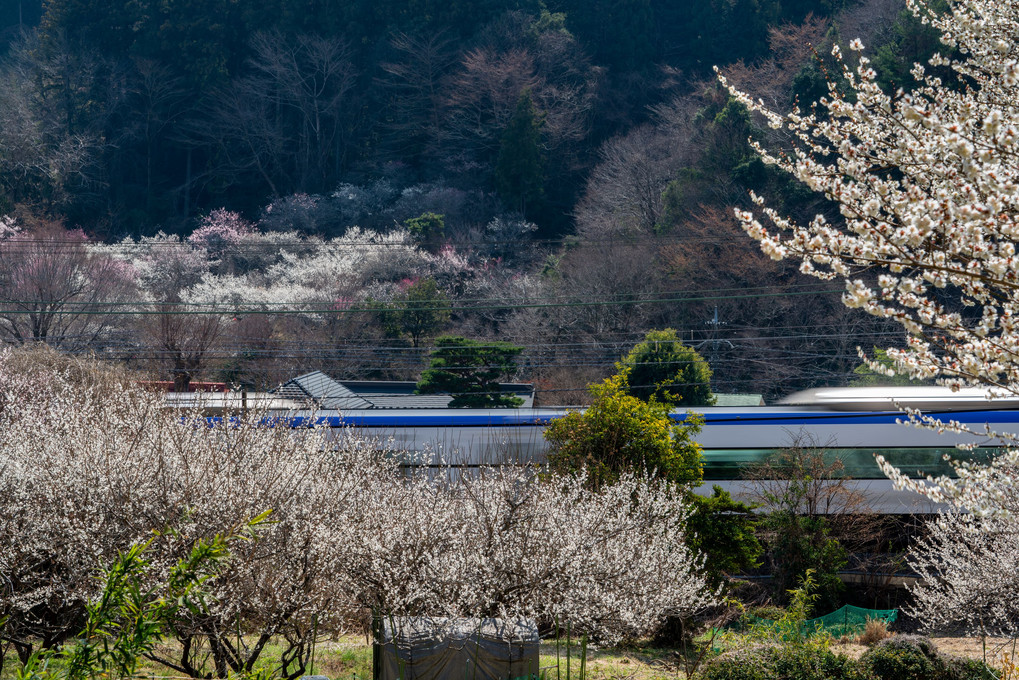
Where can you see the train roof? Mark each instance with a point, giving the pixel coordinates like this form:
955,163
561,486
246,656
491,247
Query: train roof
894,398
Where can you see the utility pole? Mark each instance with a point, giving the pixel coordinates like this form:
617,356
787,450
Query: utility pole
715,324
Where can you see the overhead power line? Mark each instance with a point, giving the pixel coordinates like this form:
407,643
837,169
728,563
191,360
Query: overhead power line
211,308
313,243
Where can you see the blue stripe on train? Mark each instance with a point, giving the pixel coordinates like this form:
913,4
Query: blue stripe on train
405,419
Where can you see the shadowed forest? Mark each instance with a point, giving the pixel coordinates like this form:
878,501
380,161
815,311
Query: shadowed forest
342,182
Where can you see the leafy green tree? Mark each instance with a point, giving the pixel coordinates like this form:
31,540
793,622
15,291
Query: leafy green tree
428,229
662,368
723,530
620,433
470,371
419,313
520,167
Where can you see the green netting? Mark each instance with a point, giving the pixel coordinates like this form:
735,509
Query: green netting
849,620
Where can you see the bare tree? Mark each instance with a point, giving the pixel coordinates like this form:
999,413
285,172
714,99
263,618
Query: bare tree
790,46
624,191
183,338
814,517
413,80
482,96
285,121
49,147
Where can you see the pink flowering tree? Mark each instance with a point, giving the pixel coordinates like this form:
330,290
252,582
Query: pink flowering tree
55,288
220,234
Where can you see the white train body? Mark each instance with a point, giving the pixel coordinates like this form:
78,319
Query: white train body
850,425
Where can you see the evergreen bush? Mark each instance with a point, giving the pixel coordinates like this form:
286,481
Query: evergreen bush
914,657
784,662
905,657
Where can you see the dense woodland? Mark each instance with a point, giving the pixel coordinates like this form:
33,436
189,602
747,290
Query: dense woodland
246,190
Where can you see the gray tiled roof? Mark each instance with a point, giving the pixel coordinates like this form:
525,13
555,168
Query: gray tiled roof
323,391
401,394
326,393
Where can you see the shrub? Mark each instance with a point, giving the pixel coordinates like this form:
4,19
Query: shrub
807,662
752,663
785,662
768,612
969,669
874,631
905,657
619,433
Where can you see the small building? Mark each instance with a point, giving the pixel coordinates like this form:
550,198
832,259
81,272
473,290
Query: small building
739,399
325,393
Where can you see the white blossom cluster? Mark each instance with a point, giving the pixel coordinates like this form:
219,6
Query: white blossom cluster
88,466
502,544
969,571
267,269
927,184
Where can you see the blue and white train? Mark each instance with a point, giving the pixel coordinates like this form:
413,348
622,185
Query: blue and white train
850,424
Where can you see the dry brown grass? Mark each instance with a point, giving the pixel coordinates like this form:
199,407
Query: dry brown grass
968,647
875,631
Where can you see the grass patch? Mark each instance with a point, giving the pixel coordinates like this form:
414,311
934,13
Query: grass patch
612,663
350,657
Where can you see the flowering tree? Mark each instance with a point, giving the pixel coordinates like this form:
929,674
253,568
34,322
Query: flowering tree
55,289
925,183
91,464
967,567
220,233
613,563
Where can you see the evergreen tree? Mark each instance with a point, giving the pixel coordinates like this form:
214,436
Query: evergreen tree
520,168
663,368
428,229
421,311
470,371
723,529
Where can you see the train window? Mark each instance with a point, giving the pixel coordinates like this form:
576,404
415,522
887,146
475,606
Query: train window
720,464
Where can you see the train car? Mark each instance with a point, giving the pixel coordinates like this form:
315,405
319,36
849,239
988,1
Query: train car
851,425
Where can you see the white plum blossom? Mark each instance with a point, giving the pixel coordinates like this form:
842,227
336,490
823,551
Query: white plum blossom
927,185
969,571
91,463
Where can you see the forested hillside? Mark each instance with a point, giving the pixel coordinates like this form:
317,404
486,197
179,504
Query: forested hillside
244,190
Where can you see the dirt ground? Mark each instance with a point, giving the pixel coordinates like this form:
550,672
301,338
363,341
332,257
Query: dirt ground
973,648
